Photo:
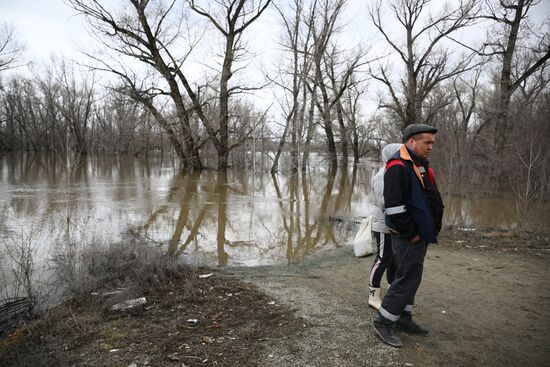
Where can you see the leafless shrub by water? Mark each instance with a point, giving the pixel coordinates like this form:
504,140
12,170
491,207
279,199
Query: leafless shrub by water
17,274
133,263
76,272
529,184
91,279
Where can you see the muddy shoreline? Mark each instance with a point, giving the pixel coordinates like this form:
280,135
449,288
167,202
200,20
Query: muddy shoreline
484,297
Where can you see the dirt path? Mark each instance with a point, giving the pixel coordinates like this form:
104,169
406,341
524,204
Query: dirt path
484,308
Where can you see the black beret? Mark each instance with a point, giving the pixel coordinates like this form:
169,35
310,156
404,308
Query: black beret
414,129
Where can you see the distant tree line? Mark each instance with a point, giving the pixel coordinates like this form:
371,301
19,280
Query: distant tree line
62,109
53,111
489,99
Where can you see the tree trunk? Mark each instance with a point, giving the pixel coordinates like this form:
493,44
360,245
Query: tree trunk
223,150
505,92
309,134
343,133
275,166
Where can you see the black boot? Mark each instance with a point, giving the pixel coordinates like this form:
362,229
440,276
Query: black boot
407,324
385,329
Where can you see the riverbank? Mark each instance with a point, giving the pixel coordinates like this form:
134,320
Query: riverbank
484,306
484,300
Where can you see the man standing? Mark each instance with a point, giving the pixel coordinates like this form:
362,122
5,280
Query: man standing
414,211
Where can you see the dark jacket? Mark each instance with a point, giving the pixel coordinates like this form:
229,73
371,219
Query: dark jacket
413,204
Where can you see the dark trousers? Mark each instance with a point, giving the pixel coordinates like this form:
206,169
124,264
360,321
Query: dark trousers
409,263
383,261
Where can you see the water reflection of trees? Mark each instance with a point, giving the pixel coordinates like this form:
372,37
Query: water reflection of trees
480,212
233,217
306,233
238,214
99,191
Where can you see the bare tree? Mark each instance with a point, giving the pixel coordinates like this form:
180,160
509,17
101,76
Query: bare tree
76,107
290,77
342,73
231,18
324,25
351,109
10,48
143,33
461,125
50,115
529,185
314,75
522,49
421,52
52,110
124,126
20,122
527,156
62,110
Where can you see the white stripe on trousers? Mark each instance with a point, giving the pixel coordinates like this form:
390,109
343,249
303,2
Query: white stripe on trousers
388,315
379,257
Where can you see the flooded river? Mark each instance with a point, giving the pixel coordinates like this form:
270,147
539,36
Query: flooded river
208,217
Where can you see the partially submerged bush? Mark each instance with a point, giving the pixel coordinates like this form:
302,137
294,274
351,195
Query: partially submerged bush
133,264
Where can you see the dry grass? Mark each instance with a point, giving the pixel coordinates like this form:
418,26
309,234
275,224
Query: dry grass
134,264
83,278
235,320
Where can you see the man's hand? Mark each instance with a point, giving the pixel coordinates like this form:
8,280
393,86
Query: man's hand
416,239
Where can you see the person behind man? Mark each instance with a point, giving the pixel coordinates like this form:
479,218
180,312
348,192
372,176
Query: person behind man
414,212
384,254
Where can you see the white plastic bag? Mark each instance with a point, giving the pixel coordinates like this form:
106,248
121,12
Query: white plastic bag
362,243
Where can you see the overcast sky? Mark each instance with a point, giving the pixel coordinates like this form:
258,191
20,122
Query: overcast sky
46,27
51,28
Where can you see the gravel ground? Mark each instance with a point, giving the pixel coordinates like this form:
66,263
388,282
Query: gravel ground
485,307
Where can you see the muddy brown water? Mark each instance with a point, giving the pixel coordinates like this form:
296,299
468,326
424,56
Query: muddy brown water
238,218
210,218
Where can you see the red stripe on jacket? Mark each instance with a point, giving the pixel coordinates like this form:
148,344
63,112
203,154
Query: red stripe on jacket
431,175
394,162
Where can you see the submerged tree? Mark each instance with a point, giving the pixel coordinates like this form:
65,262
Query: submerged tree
149,32
324,24
231,18
314,75
290,77
161,38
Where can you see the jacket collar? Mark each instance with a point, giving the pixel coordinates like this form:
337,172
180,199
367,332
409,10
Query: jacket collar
405,154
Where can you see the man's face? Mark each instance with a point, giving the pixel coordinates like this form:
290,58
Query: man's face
423,146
